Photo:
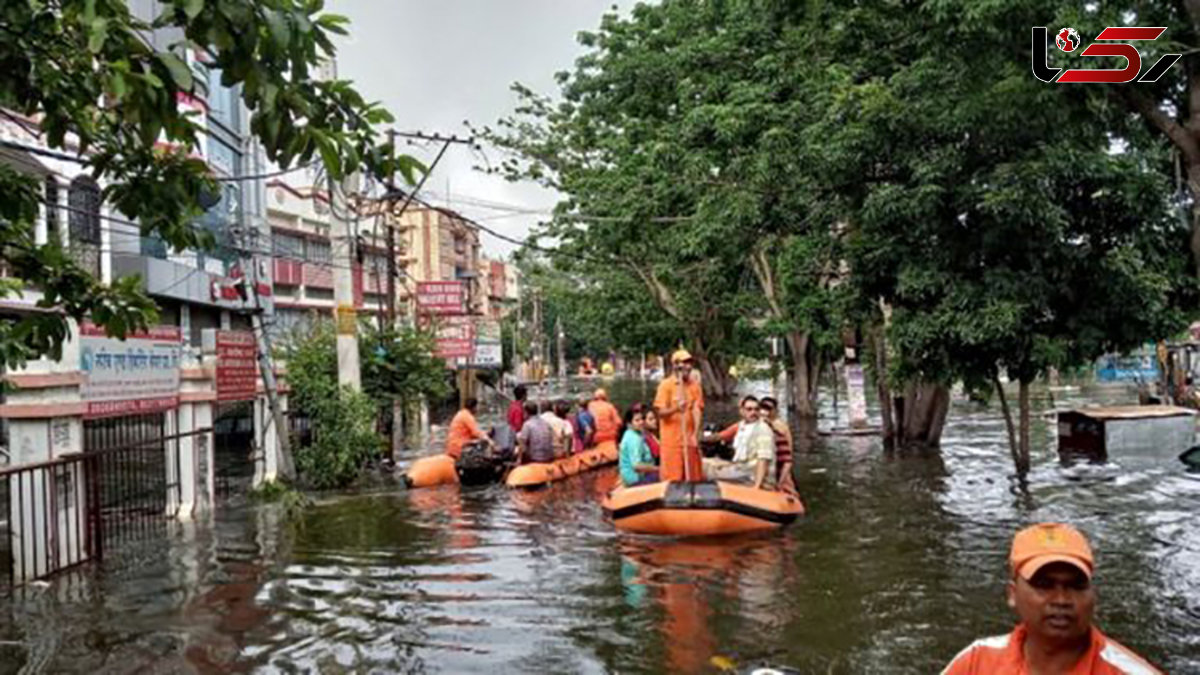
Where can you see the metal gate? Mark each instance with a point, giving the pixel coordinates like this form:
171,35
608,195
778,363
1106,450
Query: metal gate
125,485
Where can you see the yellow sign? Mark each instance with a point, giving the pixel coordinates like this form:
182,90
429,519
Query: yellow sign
347,320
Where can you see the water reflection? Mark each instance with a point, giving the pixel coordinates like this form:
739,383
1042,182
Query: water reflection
899,564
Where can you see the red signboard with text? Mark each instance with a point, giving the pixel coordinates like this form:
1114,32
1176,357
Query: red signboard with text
455,335
441,297
237,372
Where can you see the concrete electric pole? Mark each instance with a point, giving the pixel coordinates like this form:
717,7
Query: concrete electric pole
346,316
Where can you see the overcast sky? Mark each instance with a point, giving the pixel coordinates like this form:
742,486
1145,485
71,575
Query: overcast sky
436,63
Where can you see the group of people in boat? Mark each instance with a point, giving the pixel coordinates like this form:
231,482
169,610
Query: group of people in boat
762,442
656,442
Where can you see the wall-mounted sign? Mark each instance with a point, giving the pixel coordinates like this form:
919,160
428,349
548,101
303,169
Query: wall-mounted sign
137,375
441,297
488,354
237,372
347,320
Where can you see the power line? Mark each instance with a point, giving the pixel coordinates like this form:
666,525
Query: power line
67,157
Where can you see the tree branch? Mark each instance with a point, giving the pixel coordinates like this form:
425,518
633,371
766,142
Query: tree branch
1179,135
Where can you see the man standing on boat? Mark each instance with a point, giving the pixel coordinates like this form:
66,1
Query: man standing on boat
1051,592
679,404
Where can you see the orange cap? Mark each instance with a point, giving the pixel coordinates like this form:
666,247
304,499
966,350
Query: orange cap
600,395
1045,543
681,356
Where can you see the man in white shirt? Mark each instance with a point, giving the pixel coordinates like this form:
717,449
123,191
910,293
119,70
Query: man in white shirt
753,448
564,433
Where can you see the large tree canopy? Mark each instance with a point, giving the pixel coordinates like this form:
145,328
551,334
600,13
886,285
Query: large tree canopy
925,187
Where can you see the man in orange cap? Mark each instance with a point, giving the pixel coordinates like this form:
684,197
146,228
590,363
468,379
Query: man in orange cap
1051,592
608,422
679,403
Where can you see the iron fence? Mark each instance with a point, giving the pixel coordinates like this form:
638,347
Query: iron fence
57,514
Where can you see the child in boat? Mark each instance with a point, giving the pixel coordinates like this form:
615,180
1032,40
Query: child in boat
636,463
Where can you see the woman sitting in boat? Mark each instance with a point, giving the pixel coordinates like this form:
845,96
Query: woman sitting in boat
753,449
636,463
651,433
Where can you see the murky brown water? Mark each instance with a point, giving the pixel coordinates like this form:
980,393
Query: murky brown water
899,564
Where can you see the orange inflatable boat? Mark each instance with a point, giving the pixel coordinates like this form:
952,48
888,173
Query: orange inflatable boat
430,471
544,473
699,509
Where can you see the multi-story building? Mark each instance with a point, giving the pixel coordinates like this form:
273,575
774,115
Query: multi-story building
303,243
502,284
442,245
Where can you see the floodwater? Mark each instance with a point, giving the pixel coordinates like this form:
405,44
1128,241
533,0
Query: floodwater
899,564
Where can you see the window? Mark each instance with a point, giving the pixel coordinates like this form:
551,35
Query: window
83,201
222,101
288,245
53,233
222,157
319,251
460,244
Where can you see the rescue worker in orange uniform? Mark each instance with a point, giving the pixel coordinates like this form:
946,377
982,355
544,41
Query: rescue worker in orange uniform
1051,592
608,422
464,429
679,404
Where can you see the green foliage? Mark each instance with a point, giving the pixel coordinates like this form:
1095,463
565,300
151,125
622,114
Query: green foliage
398,364
776,165
85,70
292,501
342,420
997,223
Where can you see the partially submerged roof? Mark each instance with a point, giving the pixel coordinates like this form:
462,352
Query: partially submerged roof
1131,412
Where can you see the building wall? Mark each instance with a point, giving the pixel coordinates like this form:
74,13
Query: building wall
303,249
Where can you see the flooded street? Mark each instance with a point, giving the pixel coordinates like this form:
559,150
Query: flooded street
899,564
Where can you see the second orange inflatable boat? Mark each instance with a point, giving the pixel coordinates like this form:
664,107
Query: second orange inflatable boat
700,509
430,471
544,473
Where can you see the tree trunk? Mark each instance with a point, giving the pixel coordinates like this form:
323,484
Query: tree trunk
1008,422
805,375
1023,406
397,428
878,346
714,376
922,411
1193,179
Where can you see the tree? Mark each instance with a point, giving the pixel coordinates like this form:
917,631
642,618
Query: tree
674,144
399,365
85,72
995,224
1169,108
342,420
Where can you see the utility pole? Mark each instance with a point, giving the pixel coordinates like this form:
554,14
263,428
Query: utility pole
538,346
346,317
287,467
393,195
562,344
516,357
